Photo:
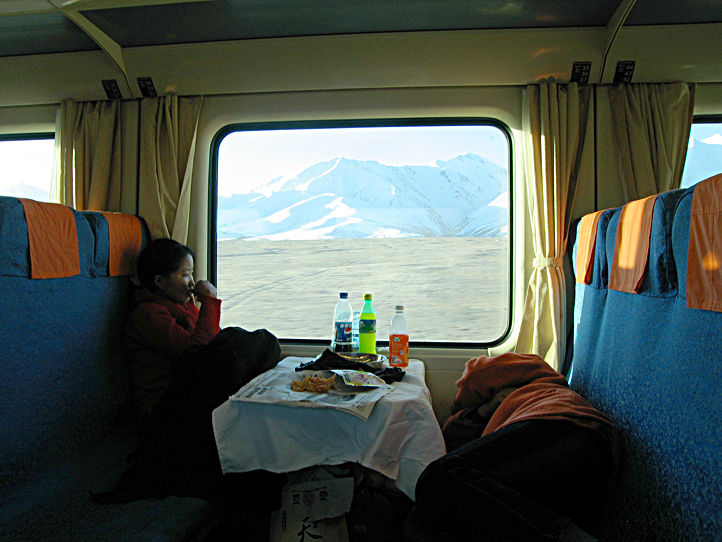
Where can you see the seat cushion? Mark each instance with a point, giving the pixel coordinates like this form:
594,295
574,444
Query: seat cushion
55,504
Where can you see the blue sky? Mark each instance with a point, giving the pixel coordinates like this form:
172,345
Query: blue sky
703,131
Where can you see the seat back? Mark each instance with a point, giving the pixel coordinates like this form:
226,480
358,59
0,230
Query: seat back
654,366
63,380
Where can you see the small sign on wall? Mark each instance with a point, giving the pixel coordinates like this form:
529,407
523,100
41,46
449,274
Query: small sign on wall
147,88
580,72
625,71
112,90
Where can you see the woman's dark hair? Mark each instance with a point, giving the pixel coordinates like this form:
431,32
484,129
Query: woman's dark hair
160,257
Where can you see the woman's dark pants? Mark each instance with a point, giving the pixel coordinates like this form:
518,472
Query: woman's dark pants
179,455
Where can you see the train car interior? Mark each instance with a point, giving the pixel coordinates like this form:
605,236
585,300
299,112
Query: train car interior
535,184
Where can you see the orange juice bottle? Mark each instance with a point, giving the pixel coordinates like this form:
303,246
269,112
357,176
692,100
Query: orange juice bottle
399,339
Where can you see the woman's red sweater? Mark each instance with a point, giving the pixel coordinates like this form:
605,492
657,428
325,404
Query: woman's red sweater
157,334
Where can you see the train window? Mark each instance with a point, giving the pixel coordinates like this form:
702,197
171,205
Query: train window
26,165
704,155
416,213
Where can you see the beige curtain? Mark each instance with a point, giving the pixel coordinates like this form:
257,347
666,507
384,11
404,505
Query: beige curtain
554,125
88,156
652,124
168,132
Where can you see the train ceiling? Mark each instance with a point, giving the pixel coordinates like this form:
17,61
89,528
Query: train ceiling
32,27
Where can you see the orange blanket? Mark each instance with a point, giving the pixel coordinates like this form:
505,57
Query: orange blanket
704,259
631,248
543,394
53,240
125,238
586,242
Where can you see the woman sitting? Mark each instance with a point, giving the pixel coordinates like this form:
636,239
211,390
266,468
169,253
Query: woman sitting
182,367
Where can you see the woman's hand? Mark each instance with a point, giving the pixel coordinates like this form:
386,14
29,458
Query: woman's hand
203,287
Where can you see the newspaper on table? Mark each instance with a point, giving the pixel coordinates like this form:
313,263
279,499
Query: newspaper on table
273,387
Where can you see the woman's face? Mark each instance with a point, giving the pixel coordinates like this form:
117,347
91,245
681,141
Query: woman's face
178,286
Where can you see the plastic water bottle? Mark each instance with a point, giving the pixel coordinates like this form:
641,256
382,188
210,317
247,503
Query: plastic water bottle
399,339
367,327
354,331
342,321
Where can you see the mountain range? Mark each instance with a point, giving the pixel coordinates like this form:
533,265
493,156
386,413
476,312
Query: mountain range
343,198
22,190
466,196
704,159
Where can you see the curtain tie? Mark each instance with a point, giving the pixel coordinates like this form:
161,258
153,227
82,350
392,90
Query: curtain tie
541,263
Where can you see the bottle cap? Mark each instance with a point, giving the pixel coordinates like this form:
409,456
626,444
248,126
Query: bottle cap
343,295
399,307
367,297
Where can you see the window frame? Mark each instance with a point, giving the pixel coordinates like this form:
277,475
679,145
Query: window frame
707,119
365,123
27,136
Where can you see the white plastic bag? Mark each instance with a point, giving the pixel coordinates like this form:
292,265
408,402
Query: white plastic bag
313,511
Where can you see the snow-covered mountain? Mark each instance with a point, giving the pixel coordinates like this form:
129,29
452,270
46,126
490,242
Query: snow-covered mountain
24,191
704,159
342,198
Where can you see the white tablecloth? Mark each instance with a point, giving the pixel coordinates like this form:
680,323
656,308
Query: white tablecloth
400,438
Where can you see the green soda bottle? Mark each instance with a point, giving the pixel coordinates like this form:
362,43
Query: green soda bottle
367,327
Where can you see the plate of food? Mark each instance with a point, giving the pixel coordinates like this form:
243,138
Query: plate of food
375,361
335,381
313,381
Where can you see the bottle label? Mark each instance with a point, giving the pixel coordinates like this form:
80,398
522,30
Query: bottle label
367,326
343,332
354,330
398,350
